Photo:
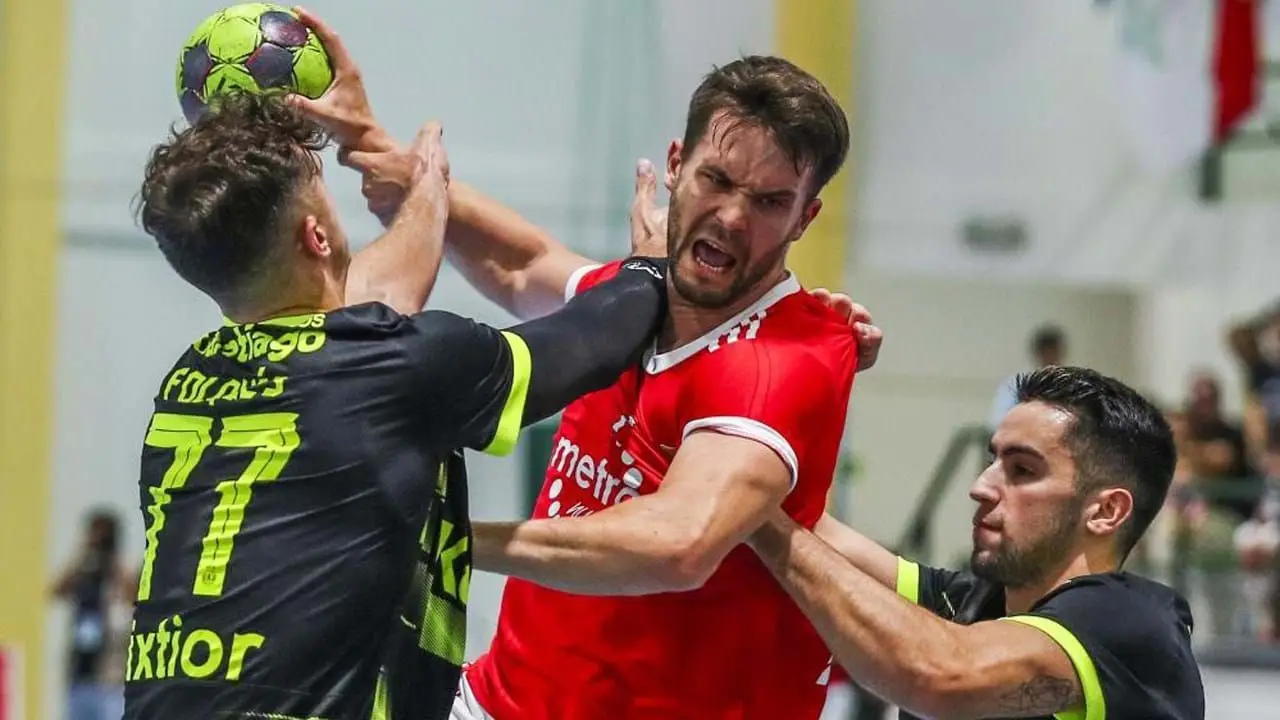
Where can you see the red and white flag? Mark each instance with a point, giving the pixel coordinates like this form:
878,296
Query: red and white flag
1191,72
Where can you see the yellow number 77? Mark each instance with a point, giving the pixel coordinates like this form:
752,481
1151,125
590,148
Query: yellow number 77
273,436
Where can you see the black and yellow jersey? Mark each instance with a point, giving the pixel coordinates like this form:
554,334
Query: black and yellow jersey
306,514
1129,638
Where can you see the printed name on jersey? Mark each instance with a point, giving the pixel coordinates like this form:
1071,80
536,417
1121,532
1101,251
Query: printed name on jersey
592,474
189,386
172,651
244,343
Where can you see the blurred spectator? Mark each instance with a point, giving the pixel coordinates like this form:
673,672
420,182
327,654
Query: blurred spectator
100,592
1257,543
1214,492
1048,347
1215,449
1256,345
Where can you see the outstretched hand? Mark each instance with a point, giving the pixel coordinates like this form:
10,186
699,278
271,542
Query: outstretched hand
344,108
648,221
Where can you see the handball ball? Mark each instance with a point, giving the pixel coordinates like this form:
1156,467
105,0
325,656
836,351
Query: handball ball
250,47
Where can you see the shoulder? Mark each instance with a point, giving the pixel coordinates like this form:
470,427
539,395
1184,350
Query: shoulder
1118,619
374,319
1129,639
1121,601
795,341
1127,589
588,276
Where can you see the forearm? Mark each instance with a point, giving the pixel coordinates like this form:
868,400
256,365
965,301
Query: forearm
513,262
400,267
591,341
888,645
861,551
624,552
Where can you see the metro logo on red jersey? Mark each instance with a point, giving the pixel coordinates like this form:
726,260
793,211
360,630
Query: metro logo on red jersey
576,478
779,373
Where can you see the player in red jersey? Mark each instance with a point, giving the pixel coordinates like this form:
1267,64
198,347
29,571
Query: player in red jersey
632,596
655,482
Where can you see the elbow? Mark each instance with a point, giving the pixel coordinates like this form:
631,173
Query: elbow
945,689
684,562
938,687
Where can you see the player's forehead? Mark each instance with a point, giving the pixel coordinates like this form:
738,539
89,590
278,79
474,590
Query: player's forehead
1034,428
749,154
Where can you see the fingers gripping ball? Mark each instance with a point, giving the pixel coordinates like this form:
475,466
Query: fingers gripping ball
250,47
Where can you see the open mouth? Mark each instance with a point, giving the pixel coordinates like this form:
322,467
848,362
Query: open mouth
712,257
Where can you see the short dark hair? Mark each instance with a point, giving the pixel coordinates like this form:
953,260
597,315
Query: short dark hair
1047,337
1116,437
215,193
775,95
109,521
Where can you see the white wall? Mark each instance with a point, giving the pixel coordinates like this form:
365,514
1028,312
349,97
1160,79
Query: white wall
995,107
1009,107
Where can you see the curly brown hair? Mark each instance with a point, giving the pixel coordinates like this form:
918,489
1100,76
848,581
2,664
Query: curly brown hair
215,194
778,96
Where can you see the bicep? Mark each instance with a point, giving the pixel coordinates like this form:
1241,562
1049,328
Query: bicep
1016,667
862,552
539,288
551,280
721,488
509,259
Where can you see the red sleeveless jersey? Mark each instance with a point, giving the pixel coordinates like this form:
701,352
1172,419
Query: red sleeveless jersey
780,372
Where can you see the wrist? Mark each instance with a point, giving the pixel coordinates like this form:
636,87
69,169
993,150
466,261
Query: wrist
368,136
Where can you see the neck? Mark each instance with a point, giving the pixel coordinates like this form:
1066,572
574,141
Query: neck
687,322
1021,599
326,299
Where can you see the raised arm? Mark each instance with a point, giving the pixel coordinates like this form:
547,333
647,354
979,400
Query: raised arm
400,267
511,261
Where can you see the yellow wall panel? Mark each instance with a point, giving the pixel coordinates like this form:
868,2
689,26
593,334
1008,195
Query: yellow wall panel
32,44
818,35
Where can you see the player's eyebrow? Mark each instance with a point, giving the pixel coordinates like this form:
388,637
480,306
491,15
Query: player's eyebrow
784,195
1014,450
764,194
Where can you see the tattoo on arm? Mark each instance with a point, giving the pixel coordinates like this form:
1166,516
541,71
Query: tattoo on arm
1044,694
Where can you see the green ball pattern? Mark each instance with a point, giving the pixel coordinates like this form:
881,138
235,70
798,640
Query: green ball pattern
250,47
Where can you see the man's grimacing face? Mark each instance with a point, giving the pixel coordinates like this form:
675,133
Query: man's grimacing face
737,203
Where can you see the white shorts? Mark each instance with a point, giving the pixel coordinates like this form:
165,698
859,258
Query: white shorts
465,704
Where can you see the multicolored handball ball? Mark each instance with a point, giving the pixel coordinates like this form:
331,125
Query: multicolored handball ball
250,47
